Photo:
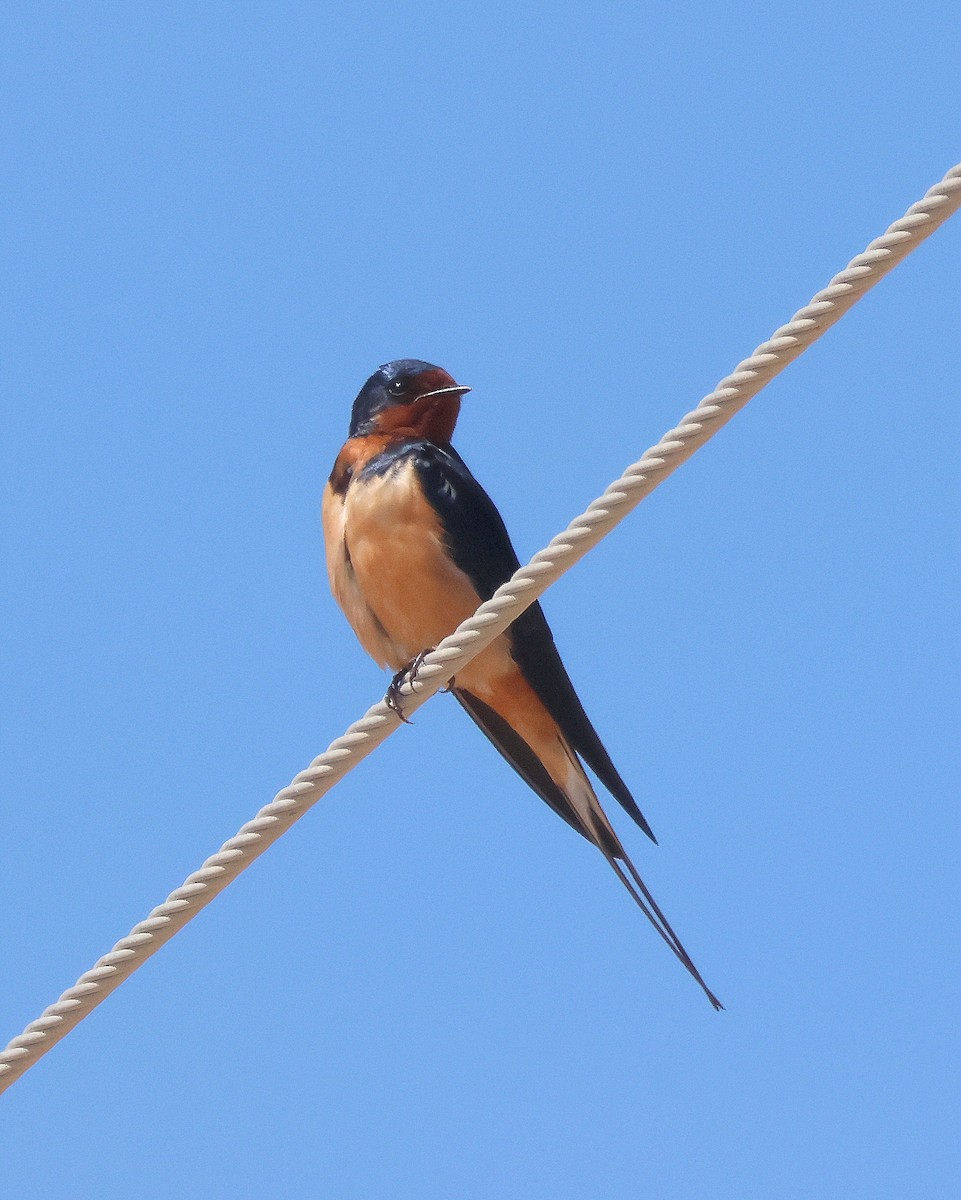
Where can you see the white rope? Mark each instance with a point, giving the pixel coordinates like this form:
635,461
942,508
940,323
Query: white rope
491,619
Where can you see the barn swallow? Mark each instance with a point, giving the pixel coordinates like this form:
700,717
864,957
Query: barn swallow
414,545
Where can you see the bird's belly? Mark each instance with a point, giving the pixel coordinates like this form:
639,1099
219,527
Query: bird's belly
416,594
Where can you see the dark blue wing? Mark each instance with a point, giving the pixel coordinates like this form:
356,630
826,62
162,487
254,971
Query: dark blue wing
480,545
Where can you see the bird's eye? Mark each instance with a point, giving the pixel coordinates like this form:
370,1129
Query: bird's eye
396,387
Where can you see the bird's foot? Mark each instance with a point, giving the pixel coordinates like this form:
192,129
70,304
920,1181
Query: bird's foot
406,674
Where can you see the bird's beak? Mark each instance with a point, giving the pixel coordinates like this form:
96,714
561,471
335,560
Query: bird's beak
457,390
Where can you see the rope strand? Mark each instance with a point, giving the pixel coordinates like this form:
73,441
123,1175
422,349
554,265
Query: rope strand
490,620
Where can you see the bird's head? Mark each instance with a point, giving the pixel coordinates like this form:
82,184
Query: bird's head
408,397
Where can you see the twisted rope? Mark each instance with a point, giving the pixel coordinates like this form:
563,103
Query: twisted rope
490,620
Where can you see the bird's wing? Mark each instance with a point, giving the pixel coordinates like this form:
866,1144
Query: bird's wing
480,545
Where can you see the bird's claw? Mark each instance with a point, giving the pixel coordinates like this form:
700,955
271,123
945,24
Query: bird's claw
407,674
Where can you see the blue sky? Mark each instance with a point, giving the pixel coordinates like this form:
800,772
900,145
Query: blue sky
220,219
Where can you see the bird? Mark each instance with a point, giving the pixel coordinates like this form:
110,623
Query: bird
413,546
